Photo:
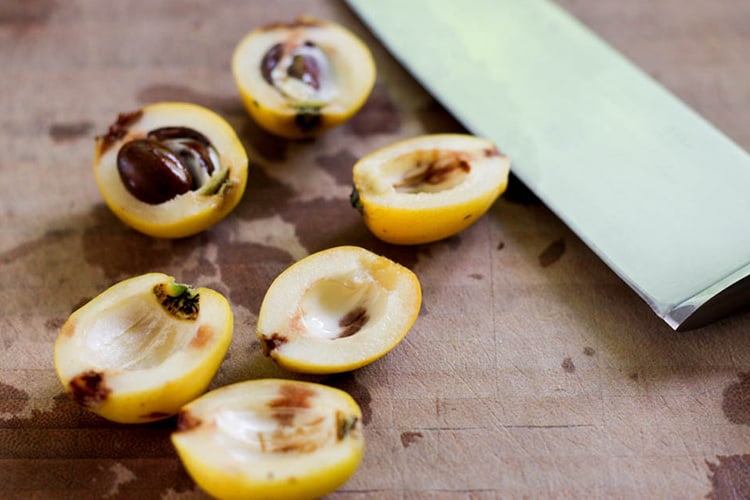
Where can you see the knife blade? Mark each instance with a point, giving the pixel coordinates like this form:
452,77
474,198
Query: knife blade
655,190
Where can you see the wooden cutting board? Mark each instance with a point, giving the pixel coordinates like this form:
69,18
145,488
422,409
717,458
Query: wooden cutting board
532,371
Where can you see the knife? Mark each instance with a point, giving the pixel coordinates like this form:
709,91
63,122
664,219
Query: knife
657,192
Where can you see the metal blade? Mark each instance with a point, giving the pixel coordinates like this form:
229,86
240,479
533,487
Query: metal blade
654,189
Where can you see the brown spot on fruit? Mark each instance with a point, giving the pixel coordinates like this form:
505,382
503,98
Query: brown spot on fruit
407,438
353,322
567,365
730,477
202,336
490,152
119,129
552,253
736,402
89,389
501,245
187,422
589,351
292,396
270,344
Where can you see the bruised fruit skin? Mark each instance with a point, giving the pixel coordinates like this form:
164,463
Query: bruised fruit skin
170,169
337,310
428,188
302,78
270,438
143,348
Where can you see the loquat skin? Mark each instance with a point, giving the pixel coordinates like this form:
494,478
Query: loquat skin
428,188
143,348
170,169
302,78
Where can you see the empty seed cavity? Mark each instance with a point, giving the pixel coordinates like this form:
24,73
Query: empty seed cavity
134,335
428,171
340,307
281,427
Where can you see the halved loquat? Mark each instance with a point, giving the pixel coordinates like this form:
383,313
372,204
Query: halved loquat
143,348
428,188
301,78
170,169
337,310
270,438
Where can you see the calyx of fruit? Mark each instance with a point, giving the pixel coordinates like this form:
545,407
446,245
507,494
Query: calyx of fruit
270,438
428,188
170,169
337,310
143,348
302,78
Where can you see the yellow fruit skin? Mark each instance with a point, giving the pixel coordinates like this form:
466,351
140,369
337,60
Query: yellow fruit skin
142,406
224,485
403,226
189,226
211,208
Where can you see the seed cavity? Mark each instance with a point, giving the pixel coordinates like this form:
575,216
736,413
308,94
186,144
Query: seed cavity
432,171
180,301
287,423
299,71
353,322
89,389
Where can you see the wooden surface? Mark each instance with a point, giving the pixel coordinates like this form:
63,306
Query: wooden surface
532,371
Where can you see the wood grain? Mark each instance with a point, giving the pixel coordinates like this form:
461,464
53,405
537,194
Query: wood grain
532,371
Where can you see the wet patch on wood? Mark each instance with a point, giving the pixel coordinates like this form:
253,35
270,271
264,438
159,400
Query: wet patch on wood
552,253
568,365
736,400
409,438
729,476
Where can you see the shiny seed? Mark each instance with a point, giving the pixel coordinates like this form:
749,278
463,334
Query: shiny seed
152,172
270,61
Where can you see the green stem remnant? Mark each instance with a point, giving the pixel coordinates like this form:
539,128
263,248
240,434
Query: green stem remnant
180,301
